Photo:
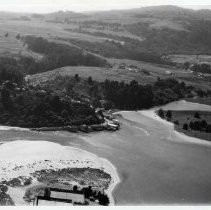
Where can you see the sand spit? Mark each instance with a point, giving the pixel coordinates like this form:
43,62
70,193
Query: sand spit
7,128
21,158
186,105
184,138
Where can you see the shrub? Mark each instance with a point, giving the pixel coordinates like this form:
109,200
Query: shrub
185,126
161,113
176,122
203,123
196,115
208,128
169,114
197,125
191,125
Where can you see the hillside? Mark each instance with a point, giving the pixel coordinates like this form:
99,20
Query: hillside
162,41
154,31
149,31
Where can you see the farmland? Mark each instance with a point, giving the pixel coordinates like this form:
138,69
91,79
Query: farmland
94,29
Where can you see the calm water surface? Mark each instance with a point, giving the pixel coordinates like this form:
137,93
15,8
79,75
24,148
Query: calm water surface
155,165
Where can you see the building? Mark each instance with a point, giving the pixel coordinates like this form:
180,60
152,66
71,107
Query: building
60,197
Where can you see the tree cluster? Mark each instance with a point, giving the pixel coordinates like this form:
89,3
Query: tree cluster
101,197
203,68
194,40
10,70
130,50
57,55
26,106
198,125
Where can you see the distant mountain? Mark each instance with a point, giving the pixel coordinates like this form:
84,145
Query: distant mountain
162,30
63,16
165,29
166,11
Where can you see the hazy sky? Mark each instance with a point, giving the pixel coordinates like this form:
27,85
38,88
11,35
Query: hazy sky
90,5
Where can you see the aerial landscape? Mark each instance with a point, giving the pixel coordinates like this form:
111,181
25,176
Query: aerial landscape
106,107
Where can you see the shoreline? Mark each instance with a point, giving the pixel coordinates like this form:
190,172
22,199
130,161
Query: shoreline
77,158
8,128
152,114
108,125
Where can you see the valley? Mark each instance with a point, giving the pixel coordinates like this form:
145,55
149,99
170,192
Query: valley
111,106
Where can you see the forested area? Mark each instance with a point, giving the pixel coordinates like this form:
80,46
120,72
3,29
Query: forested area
195,39
132,49
72,100
193,123
27,106
203,68
126,96
56,55
10,70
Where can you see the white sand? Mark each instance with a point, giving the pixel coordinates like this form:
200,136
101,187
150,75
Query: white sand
152,114
20,158
7,128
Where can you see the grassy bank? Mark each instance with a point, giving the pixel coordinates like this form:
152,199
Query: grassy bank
191,123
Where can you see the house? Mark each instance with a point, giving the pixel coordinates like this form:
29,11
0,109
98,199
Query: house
60,197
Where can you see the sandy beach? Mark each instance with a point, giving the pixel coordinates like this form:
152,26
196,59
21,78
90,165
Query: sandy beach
21,158
9,128
156,165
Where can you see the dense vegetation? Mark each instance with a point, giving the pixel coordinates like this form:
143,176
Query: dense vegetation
164,30
136,96
10,70
203,68
5,199
56,56
72,100
193,123
130,50
121,95
195,39
28,106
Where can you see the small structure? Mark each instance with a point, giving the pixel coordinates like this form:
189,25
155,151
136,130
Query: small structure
60,197
168,72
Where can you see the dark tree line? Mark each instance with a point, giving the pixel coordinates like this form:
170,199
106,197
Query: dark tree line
102,198
59,103
130,50
57,55
10,70
136,96
198,126
128,96
196,39
26,106
203,68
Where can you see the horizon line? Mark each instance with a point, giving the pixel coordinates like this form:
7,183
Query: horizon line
185,6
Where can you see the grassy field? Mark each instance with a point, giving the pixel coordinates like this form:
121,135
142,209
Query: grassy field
99,74
12,46
206,100
190,58
188,116
42,28
115,73
56,31
162,71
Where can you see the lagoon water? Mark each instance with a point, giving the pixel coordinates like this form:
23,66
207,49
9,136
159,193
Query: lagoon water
155,164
